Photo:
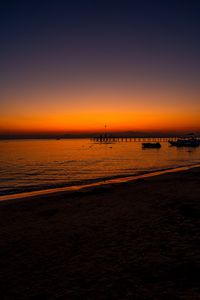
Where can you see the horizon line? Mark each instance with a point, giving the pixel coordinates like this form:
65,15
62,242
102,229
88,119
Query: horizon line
52,135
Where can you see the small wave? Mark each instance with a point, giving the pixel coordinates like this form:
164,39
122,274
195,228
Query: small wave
32,173
67,162
7,179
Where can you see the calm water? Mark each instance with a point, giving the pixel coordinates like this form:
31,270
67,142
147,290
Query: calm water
27,165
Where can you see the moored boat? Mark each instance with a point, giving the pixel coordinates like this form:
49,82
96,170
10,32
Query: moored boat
151,145
185,142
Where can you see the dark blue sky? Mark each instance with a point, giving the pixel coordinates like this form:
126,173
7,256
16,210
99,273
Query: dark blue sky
144,36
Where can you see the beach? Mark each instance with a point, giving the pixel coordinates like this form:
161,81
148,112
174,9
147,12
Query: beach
133,240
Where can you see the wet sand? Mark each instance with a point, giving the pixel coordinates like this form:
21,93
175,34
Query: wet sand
134,240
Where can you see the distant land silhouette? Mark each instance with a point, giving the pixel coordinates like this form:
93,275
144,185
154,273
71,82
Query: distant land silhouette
92,134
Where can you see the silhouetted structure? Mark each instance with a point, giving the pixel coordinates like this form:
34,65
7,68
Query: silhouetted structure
109,138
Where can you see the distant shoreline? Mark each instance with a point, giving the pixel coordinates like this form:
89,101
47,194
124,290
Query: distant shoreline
127,134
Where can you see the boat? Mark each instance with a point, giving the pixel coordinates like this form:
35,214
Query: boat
185,142
151,145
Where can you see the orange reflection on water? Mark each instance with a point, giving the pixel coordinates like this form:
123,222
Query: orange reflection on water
41,164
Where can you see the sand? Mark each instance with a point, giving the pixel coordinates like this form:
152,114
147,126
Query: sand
136,240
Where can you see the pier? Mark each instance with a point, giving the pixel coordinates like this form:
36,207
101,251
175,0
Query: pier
113,139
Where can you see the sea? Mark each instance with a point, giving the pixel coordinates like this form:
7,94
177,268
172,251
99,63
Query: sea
36,165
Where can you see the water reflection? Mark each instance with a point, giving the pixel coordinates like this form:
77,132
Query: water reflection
36,164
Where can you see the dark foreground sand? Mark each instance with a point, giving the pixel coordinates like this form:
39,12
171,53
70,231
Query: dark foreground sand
136,240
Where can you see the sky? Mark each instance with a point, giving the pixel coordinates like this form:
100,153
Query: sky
74,66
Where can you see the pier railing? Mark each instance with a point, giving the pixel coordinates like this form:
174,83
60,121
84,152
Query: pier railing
103,138
112,139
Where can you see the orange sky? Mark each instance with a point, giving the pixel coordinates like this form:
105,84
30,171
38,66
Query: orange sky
88,109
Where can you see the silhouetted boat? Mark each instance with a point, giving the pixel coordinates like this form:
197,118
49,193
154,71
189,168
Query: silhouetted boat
185,142
151,145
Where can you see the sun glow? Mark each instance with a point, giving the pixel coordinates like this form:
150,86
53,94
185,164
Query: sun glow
89,109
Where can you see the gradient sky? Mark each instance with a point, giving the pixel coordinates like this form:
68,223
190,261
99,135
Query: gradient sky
74,66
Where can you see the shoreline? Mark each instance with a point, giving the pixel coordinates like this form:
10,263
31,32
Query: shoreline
102,182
